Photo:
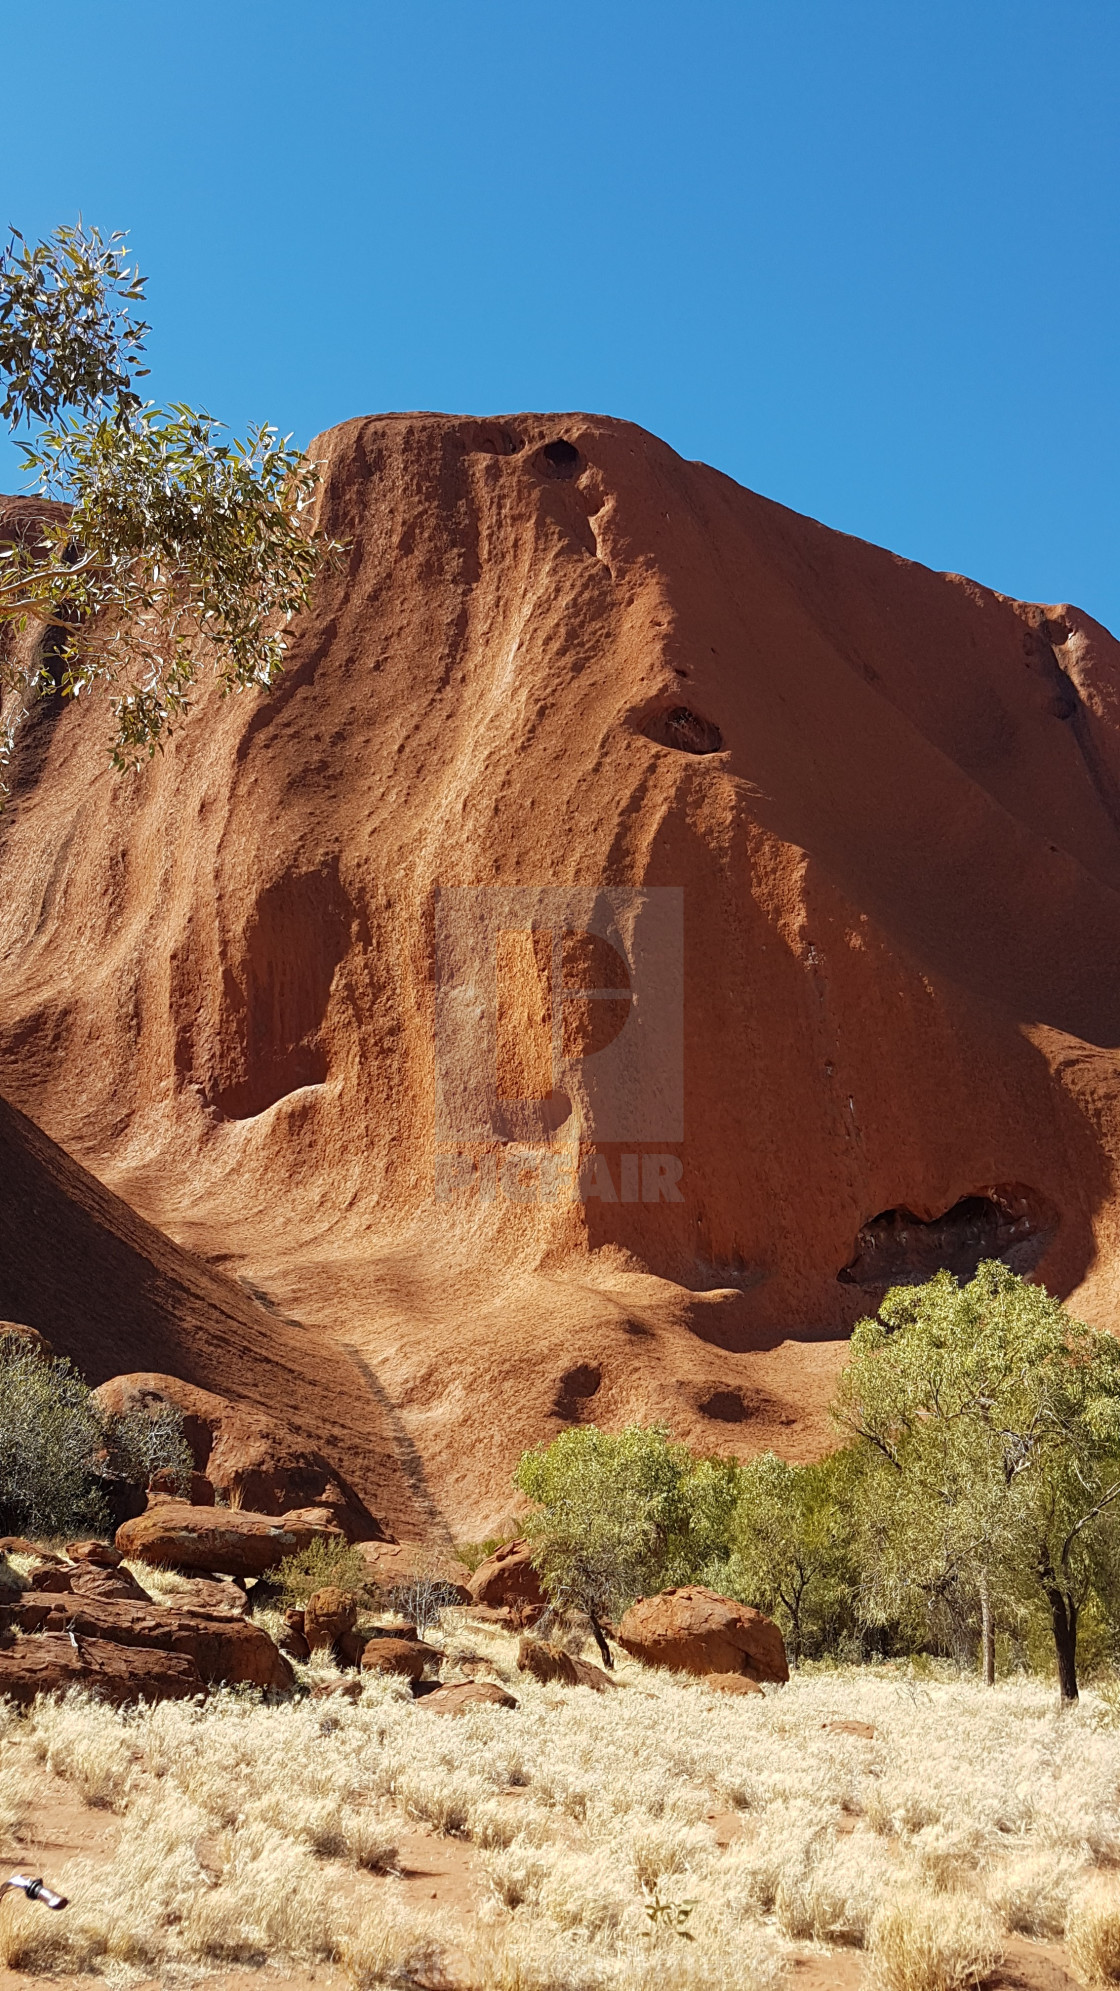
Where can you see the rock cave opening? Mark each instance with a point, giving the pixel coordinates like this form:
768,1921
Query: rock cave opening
896,1248
685,731
575,1389
559,459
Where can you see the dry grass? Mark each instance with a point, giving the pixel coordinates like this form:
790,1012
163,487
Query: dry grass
924,1944
1093,1930
250,1832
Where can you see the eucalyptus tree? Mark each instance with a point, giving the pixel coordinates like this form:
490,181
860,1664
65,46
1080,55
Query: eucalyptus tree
158,547
621,1514
791,1541
992,1422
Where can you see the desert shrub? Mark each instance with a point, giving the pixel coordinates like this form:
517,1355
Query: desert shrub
145,1442
423,1599
50,1439
324,1562
470,1554
59,1452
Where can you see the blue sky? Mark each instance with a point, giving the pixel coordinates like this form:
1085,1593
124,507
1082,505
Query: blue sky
865,257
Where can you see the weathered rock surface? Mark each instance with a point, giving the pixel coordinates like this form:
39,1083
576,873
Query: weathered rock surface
90,1580
328,1615
398,1565
198,1491
226,1651
49,1576
507,1578
408,1657
462,1695
210,1594
100,1555
230,1541
293,1639
694,1630
731,1683
116,1294
114,1672
551,1665
556,651
246,1456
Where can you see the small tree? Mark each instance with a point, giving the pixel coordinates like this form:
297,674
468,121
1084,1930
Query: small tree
59,1451
791,1540
169,548
50,1438
995,1419
620,1514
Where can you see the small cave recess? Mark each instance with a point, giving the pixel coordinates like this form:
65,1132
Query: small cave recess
684,730
576,1388
896,1248
559,459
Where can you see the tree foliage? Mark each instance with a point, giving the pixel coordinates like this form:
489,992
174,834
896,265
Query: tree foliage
791,1545
59,1451
991,1422
621,1514
162,548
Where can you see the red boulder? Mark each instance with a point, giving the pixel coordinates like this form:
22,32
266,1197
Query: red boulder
507,1577
693,1630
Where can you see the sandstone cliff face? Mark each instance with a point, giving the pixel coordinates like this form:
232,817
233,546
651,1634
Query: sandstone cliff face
642,924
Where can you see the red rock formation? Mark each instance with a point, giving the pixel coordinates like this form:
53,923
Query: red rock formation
52,1663
227,1651
114,1291
257,1460
462,1695
507,1577
233,1543
405,1656
694,1630
880,806
552,1666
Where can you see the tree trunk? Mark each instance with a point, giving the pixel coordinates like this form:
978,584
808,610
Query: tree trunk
597,1635
987,1632
1063,1616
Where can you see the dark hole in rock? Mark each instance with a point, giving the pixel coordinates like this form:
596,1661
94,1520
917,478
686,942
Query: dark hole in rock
897,1248
726,1406
686,731
559,459
577,1387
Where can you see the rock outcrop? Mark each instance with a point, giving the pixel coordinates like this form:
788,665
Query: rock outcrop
508,1578
328,1615
112,1672
462,1695
640,925
226,1651
400,1565
245,1456
408,1657
552,1666
227,1540
693,1630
